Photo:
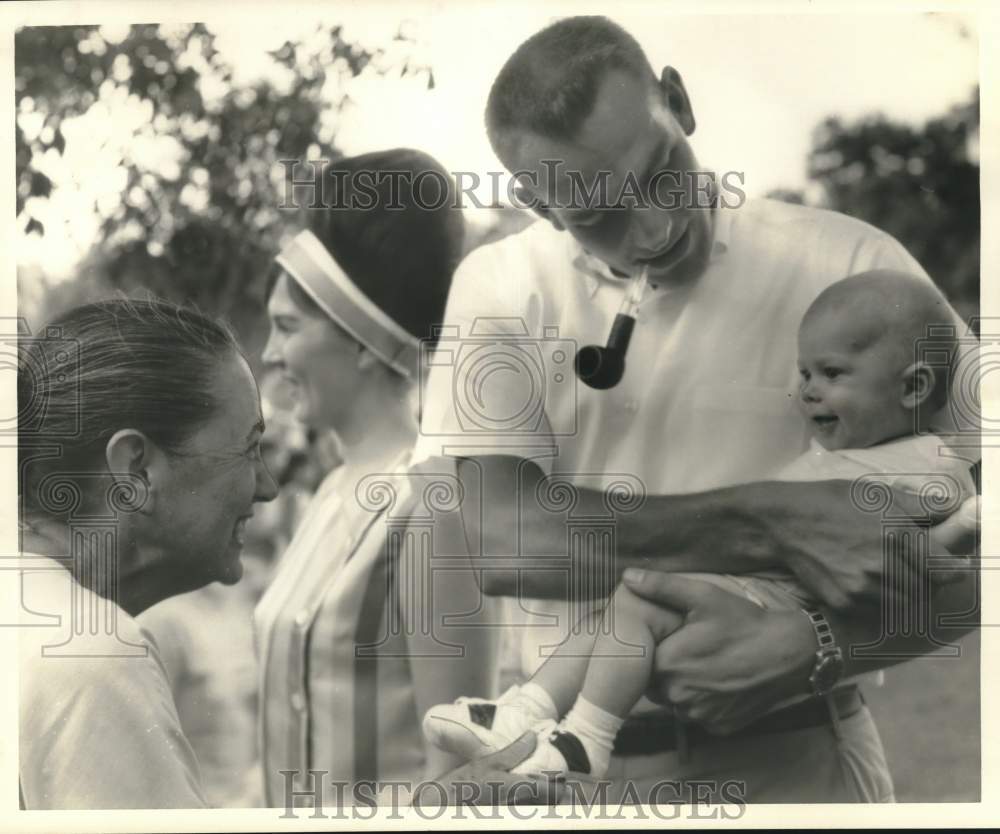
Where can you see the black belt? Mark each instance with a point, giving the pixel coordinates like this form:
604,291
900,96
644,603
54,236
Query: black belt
643,735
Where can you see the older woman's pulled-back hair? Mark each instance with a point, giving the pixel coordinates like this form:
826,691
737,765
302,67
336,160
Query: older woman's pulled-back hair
98,368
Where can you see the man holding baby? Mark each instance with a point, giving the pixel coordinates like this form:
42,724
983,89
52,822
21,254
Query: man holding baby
723,394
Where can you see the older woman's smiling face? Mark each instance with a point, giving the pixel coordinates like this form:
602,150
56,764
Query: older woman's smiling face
204,496
316,356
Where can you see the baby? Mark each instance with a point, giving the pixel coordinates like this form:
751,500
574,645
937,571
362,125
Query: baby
867,401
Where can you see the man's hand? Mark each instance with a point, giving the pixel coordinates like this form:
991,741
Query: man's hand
731,661
488,782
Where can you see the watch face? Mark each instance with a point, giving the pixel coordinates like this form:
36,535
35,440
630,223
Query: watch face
827,672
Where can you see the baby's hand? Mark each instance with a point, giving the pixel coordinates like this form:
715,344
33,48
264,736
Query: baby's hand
959,532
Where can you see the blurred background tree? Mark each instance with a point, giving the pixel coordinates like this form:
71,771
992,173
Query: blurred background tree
191,210
918,183
195,214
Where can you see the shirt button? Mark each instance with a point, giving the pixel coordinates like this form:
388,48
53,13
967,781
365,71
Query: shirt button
632,406
298,701
302,618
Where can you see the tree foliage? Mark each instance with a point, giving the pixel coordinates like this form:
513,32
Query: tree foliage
918,183
203,225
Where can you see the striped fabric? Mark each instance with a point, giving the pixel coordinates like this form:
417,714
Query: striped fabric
324,705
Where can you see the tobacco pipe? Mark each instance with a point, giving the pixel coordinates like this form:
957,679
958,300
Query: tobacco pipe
603,367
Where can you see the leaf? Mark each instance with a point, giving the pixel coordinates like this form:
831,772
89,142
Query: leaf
59,141
41,185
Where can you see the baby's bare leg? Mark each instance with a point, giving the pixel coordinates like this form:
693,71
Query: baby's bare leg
616,676
562,675
622,662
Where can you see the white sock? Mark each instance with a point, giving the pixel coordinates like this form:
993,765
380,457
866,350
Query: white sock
596,730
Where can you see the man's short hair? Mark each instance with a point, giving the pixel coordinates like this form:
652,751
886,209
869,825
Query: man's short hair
549,85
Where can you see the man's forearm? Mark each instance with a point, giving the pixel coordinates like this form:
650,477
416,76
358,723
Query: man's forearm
533,534
530,548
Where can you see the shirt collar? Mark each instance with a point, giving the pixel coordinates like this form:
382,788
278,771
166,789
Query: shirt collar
595,272
721,228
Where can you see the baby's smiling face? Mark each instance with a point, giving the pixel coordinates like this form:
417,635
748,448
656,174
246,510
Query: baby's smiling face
851,385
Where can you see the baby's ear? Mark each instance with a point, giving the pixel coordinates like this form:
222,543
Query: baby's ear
919,380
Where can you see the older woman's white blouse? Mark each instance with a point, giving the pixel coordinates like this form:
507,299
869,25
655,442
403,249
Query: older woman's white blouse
98,725
326,703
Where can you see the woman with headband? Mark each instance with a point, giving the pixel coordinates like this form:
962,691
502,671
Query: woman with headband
345,677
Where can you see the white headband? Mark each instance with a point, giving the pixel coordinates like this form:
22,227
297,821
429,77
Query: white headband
313,267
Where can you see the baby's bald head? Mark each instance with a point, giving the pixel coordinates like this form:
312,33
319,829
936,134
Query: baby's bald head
885,308
863,381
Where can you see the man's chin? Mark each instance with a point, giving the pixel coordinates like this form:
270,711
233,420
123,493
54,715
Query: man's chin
685,271
677,275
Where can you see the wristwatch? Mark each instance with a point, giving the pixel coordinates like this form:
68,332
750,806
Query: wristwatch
829,666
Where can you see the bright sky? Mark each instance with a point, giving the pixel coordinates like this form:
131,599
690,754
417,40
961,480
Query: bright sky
759,84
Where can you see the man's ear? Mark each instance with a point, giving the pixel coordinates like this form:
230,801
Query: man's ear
530,201
134,462
676,98
919,380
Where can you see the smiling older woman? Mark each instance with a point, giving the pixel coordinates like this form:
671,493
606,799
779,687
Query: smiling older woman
139,465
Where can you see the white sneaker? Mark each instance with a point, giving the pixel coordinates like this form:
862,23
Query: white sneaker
474,727
558,751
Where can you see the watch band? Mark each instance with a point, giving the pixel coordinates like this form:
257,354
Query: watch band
825,641
824,633
829,665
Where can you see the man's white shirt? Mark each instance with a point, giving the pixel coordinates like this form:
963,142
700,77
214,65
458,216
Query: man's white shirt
709,394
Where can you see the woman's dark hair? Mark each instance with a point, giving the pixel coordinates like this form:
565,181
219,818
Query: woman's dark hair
394,226
148,365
